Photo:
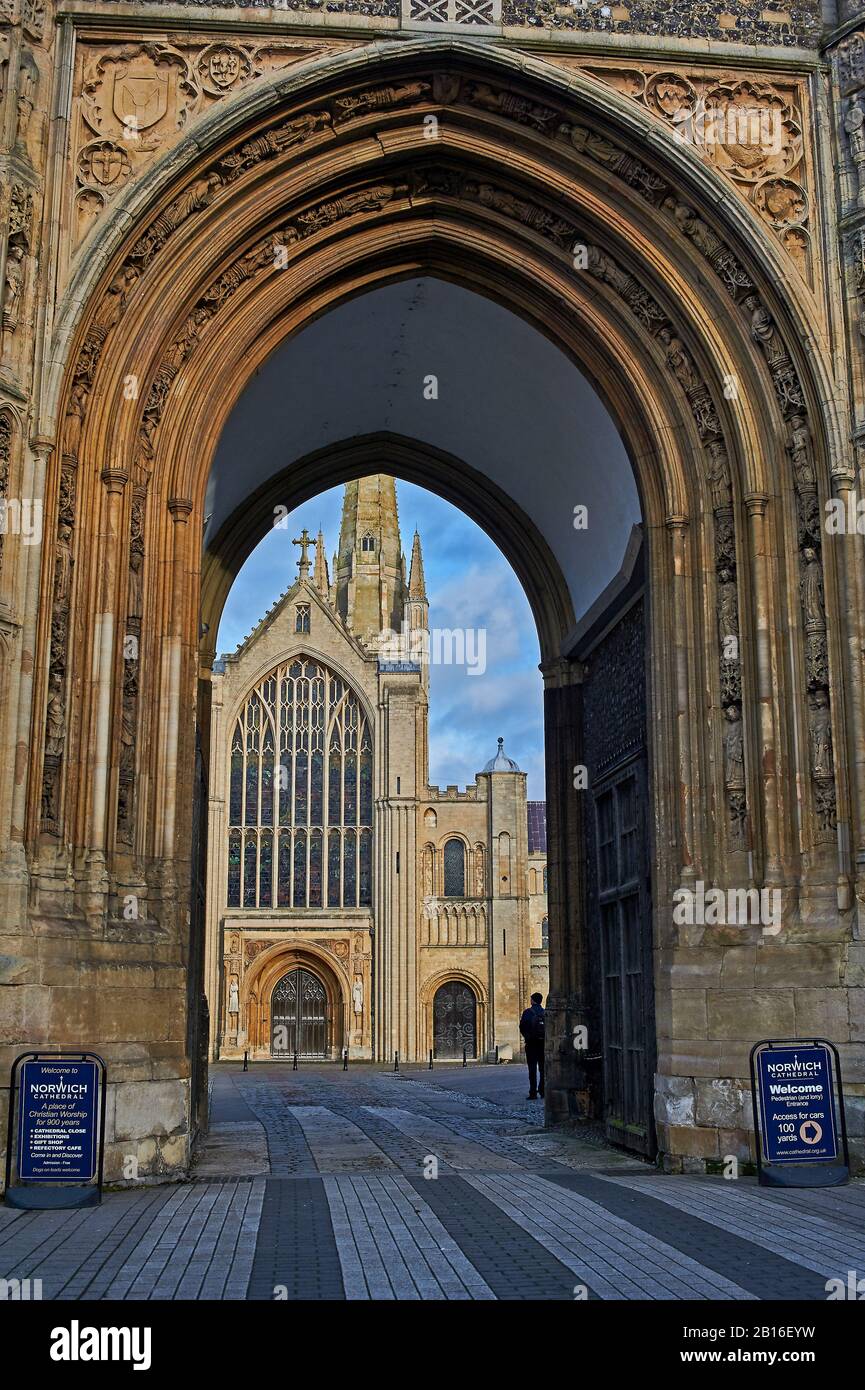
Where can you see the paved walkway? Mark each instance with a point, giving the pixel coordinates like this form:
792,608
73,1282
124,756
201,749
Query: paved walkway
369,1185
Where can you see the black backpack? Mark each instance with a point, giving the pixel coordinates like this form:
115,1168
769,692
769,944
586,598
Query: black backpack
535,1025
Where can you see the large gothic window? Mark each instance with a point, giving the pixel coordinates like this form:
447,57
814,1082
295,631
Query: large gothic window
300,797
455,869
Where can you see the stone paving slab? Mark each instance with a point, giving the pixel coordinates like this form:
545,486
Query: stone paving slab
316,1185
443,1142
613,1257
232,1147
753,1214
760,1271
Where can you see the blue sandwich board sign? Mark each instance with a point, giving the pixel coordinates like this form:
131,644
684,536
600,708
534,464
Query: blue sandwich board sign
58,1121
796,1114
61,1122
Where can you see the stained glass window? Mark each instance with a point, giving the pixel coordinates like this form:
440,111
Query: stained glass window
301,760
234,868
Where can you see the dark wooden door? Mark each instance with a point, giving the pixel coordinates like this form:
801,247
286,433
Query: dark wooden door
626,958
298,1016
455,1021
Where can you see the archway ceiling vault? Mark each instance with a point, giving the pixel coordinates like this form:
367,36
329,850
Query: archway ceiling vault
545,195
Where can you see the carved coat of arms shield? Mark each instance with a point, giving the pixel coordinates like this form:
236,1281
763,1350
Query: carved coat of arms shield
140,99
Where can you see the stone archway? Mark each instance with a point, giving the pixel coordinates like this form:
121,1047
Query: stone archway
260,981
542,192
431,991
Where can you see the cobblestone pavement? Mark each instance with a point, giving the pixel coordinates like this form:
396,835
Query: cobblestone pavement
320,1184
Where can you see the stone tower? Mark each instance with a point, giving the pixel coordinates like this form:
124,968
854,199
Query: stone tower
370,570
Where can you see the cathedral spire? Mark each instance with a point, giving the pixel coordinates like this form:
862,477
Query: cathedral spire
369,574
320,574
416,581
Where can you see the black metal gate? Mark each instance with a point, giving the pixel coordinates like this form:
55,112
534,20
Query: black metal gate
455,1013
298,1016
626,957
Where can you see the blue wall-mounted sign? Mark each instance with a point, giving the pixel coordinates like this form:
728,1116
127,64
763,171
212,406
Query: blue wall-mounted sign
796,1112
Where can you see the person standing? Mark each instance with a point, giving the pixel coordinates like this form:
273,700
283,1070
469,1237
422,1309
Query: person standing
532,1028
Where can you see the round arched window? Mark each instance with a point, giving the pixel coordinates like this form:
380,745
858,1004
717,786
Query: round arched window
455,869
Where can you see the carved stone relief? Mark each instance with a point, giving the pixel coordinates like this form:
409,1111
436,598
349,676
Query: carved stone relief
137,98
55,718
6,436
750,130
131,673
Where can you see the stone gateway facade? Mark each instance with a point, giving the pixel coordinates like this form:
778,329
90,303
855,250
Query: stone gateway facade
674,199
319,939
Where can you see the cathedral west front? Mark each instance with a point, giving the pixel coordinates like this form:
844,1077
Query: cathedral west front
352,906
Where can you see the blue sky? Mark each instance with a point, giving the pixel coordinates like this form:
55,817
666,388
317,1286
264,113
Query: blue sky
470,585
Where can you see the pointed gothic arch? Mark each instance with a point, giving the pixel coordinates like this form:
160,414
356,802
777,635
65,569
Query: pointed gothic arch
678,293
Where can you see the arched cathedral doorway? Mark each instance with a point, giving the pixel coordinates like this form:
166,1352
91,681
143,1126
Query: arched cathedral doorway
298,1017
455,1010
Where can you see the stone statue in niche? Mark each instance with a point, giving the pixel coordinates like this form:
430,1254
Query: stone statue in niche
678,360
28,75
136,564
811,588
854,124
127,722
233,996
55,731
13,286
63,563
113,302
74,423
820,733
728,614
734,753
357,996
719,476
799,449
694,228
764,331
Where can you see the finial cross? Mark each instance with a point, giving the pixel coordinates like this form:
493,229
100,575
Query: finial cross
304,541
